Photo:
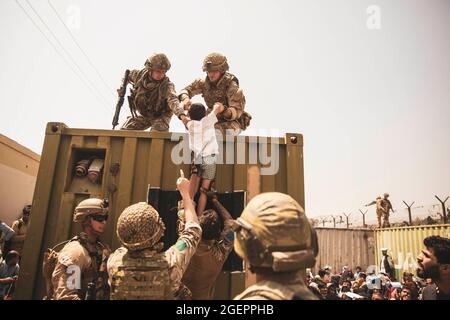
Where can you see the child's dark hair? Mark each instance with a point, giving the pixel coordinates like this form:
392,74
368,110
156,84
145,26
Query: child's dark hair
197,111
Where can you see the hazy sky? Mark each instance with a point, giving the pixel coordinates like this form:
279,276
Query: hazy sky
373,104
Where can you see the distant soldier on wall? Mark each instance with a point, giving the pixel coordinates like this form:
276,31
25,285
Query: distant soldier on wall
153,99
387,207
379,209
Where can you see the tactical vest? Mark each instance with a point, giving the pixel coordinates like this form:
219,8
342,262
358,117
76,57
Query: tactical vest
217,92
148,96
142,276
271,290
95,273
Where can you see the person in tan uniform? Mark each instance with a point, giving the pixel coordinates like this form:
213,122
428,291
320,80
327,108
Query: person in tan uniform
20,228
213,250
379,209
220,87
139,270
275,239
153,99
387,208
81,267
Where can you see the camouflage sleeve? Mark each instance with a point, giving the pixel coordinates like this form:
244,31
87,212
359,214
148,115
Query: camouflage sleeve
372,203
195,88
179,255
172,100
236,101
227,238
64,281
133,76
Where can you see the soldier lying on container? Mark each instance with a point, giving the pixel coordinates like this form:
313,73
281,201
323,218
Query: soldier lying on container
153,99
139,270
204,147
221,87
82,262
213,250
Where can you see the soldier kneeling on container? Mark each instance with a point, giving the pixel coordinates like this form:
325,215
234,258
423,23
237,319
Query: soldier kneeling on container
139,270
275,238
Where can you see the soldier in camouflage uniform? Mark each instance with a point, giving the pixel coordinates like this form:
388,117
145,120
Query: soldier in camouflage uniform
379,209
275,238
139,270
85,254
221,87
153,99
387,207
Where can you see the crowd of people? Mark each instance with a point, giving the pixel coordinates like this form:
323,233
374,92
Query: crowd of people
12,239
431,281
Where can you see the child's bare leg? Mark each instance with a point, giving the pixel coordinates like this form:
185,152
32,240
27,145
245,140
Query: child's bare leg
202,199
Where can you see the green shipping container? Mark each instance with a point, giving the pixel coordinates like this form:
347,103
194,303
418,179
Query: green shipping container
135,162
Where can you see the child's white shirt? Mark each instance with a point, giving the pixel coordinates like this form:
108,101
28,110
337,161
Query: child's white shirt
202,136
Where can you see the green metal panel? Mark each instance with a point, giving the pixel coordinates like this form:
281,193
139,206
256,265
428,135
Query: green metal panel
404,244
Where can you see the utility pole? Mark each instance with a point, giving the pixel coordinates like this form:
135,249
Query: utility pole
444,214
409,211
364,217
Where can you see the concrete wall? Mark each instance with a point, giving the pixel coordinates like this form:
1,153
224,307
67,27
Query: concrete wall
18,172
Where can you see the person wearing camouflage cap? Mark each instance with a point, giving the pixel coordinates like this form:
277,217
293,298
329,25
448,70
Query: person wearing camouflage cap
153,98
220,87
139,270
84,256
275,239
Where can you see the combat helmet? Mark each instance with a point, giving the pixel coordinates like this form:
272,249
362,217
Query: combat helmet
273,232
88,207
140,227
215,62
158,61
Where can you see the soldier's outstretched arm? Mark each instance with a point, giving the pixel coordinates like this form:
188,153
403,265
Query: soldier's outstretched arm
195,88
183,187
173,102
220,208
372,203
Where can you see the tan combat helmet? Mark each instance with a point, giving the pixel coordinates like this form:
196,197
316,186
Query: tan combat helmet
88,207
379,197
273,232
386,195
158,61
215,62
140,227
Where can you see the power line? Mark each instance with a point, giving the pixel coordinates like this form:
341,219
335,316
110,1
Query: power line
67,53
79,47
59,53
